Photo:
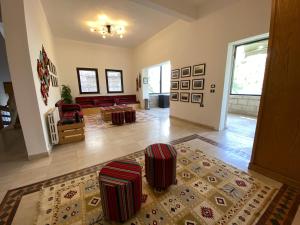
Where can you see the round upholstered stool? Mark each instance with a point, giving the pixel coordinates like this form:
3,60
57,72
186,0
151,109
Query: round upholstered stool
130,116
160,165
120,185
117,118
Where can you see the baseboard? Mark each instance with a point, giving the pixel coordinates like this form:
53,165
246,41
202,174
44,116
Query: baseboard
274,175
38,156
192,122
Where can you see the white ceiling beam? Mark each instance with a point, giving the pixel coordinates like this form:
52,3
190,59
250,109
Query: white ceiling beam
176,8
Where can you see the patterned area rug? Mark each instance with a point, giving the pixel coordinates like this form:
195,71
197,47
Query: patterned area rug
95,122
208,191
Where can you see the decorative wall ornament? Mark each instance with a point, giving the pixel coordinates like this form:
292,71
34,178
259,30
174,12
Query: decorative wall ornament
43,73
47,74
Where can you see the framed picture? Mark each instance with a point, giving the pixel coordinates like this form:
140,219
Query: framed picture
175,74
174,85
174,96
186,71
145,80
184,97
185,84
198,84
114,81
197,98
199,70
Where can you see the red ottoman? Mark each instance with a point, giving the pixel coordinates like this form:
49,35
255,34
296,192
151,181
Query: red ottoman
160,165
120,185
117,118
130,116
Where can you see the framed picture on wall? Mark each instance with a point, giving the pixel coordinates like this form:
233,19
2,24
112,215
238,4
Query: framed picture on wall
175,74
184,97
198,84
174,96
114,81
199,70
185,85
186,71
174,85
197,98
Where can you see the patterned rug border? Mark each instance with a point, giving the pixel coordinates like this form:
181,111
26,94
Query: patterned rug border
12,199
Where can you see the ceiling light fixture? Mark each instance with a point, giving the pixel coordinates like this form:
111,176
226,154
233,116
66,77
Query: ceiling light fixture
106,27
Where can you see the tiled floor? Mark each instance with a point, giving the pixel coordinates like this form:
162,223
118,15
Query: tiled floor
114,142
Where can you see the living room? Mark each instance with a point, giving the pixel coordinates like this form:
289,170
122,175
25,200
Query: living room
94,81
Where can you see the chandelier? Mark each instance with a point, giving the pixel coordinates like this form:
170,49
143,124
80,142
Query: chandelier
106,27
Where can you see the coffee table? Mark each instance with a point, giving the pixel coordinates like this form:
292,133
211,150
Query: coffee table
106,111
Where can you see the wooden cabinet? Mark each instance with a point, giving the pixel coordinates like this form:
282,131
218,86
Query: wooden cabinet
276,150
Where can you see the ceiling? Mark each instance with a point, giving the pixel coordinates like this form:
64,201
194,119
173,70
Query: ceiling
68,19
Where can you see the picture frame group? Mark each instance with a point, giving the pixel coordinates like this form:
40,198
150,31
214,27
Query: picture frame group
184,72
186,84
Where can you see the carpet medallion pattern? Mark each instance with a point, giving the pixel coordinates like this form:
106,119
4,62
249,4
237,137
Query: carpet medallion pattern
208,191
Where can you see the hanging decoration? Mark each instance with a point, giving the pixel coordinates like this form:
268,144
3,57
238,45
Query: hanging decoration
43,65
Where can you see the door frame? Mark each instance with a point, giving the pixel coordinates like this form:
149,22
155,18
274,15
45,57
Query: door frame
229,74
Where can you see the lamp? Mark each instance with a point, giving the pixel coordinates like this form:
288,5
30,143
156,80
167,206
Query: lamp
106,27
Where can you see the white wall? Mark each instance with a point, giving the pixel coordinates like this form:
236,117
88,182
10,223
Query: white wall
4,71
72,54
26,29
205,41
39,34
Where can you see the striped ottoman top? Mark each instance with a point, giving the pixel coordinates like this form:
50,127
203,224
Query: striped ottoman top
120,172
161,151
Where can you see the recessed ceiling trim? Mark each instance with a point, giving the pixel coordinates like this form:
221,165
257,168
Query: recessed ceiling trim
176,8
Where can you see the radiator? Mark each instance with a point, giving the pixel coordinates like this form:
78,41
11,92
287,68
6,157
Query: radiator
53,118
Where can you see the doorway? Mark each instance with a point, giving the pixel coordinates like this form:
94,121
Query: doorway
246,61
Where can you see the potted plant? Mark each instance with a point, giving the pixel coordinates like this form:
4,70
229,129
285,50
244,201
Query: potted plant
66,94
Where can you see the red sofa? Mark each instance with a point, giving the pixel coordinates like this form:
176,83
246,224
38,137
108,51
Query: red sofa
103,101
67,111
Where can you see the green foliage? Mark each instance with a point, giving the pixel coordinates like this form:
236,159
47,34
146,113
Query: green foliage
66,94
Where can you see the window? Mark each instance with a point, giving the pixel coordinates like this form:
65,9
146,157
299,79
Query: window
114,81
88,80
159,78
249,68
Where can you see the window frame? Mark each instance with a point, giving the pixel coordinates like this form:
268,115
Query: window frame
160,83
234,61
106,77
78,69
